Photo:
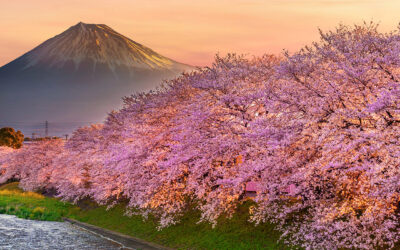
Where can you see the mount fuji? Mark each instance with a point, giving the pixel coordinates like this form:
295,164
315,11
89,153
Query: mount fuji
77,77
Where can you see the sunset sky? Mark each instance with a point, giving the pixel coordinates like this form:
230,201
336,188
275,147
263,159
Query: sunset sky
190,31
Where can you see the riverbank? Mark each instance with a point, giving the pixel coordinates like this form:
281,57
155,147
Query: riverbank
18,233
235,233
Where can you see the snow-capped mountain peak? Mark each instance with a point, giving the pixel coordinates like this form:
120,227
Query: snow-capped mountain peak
98,44
79,75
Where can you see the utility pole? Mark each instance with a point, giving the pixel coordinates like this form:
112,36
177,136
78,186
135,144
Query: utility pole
46,129
66,137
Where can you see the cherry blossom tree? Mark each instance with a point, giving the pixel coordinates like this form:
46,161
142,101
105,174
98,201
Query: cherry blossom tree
316,132
79,173
5,154
33,164
343,155
210,144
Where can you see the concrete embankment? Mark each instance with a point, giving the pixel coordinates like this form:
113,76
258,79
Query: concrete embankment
126,242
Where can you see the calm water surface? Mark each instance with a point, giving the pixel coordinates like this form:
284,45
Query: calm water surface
18,234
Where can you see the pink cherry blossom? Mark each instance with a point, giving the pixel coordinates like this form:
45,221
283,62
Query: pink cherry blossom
315,135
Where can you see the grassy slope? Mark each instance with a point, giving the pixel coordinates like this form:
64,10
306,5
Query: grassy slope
235,233
29,205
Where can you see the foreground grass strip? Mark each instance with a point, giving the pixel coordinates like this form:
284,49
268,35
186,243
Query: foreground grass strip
235,233
30,205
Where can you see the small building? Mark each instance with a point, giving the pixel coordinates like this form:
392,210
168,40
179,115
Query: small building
251,189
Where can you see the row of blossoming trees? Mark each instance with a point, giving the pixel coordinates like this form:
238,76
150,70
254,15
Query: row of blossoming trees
323,121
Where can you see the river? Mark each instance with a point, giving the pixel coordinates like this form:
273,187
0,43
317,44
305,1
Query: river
23,234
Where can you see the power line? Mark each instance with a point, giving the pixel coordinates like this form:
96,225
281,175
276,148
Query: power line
47,128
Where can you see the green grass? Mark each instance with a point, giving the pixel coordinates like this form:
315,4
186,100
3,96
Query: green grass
29,205
234,233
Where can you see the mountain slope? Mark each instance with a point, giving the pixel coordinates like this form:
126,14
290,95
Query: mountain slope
79,75
93,48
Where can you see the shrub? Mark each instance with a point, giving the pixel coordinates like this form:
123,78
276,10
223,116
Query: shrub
11,138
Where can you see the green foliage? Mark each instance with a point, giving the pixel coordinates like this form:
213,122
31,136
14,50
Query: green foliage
29,205
11,138
12,186
37,213
234,233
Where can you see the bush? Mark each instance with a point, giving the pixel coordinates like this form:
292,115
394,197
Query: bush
11,138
